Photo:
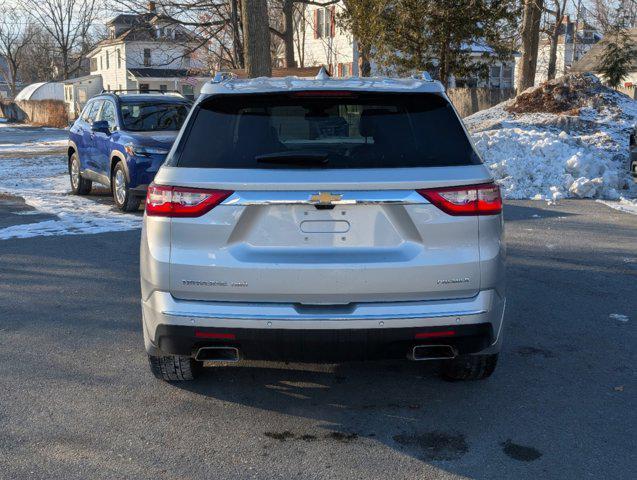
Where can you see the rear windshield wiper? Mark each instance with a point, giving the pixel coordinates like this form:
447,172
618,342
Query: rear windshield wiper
293,158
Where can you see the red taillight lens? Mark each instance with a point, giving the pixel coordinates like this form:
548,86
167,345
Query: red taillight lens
163,201
482,199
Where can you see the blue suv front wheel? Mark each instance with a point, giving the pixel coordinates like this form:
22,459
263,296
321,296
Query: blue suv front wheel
79,185
124,198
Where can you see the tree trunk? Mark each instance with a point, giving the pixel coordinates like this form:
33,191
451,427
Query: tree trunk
256,38
13,73
530,40
288,33
364,65
550,74
237,45
300,37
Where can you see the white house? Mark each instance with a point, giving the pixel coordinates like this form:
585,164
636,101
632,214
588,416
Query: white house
500,72
328,44
77,91
148,51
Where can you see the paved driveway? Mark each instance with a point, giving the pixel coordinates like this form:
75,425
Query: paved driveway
78,402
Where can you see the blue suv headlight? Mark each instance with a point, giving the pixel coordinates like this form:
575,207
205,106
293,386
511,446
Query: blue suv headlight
138,151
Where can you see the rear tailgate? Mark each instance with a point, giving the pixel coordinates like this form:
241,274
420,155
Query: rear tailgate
373,245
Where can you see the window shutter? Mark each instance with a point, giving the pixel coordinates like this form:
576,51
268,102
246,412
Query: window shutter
332,21
316,25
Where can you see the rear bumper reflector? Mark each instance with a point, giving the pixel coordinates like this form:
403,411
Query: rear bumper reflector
215,335
445,333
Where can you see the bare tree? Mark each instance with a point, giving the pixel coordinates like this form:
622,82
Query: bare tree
15,35
256,38
40,59
530,39
69,22
286,33
553,29
300,29
607,14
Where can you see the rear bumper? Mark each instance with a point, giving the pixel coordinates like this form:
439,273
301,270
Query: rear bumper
286,331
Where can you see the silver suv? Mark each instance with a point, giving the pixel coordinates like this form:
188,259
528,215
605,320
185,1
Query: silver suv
323,220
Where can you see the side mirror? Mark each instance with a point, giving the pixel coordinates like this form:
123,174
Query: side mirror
100,126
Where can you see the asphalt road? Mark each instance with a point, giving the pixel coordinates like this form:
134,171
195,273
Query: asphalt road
77,400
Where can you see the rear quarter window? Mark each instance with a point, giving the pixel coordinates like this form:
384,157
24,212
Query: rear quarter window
337,130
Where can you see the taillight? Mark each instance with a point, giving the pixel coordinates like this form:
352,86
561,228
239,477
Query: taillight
164,201
484,199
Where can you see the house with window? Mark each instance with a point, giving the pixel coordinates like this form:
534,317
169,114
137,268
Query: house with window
575,39
591,61
326,43
148,51
499,75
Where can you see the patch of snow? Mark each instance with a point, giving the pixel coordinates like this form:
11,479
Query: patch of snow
623,204
42,146
43,183
619,317
548,156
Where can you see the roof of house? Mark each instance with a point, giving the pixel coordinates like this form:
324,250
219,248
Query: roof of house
41,91
281,72
164,73
142,28
80,79
591,59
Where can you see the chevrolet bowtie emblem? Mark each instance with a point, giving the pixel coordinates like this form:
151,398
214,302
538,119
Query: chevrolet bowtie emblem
325,198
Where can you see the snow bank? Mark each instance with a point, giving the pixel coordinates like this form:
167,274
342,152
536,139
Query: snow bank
44,184
579,152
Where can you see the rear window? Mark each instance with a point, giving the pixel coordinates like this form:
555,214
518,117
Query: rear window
148,117
325,130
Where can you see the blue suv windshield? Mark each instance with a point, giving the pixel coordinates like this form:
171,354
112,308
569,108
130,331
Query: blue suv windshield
144,117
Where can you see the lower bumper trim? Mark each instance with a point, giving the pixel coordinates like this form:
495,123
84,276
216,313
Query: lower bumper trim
321,345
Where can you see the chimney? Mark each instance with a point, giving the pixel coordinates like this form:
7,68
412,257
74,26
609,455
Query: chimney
151,7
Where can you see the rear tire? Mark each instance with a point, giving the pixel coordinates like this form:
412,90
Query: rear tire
79,185
124,198
174,368
469,367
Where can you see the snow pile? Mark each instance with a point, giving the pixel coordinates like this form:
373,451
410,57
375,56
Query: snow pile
566,138
43,182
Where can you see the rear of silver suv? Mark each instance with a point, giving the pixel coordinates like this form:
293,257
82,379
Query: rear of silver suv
323,220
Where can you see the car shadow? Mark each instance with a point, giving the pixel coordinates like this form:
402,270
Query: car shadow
513,212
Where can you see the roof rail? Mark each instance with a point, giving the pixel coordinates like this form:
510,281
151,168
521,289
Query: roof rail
137,90
322,74
223,76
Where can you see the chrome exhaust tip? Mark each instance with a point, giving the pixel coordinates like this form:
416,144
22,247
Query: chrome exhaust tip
217,354
433,352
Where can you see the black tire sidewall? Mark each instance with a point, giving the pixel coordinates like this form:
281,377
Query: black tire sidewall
119,166
83,185
131,203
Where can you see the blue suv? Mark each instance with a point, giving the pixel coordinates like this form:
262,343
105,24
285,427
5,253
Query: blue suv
121,140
